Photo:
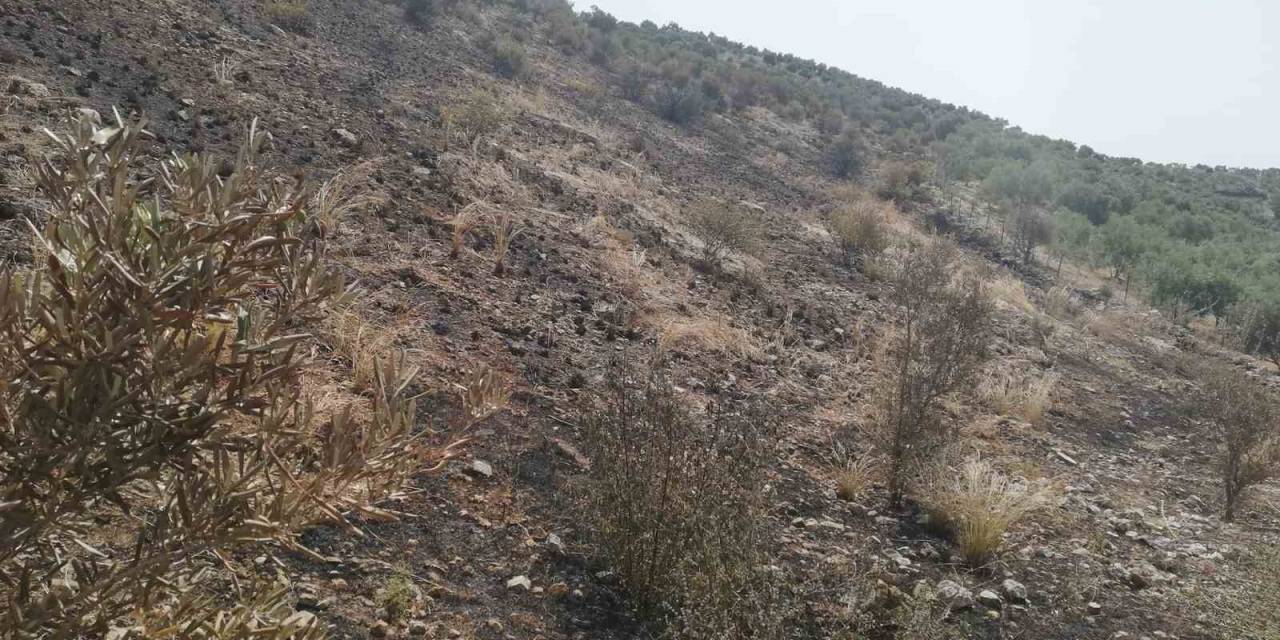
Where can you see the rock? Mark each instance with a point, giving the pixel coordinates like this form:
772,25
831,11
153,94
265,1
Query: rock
954,595
479,467
520,582
990,598
20,86
346,138
1093,608
418,628
1014,591
380,629
1144,575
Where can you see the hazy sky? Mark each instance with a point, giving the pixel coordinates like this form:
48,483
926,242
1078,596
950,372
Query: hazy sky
1168,81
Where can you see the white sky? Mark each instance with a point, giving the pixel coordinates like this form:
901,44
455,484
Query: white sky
1169,81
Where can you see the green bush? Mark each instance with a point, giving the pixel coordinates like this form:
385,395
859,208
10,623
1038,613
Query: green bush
846,155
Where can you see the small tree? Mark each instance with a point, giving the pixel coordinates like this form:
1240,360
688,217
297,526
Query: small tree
724,228
1244,416
942,332
845,155
150,379
1031,228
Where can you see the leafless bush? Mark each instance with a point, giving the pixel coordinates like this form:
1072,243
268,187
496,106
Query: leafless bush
676,506
1244,415
475,116
860,229
940,341
724,228
149,377
978,504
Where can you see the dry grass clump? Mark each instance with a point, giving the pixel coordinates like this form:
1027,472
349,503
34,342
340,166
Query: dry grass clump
359,342
1010,292
1252,610
1022,396
151,380
1058,304
978,504
940,338
676,505
724,228
346,192
861,229
713,334
855,476
504,228
290,15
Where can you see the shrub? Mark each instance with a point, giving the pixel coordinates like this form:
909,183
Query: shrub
860,229
291,15
676,506
978,504
845,155
475,116
150,380
1243,414
940,341
682,105
509,59
397,596
901,181
724,228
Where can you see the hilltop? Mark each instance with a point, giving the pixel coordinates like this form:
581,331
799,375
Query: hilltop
535,201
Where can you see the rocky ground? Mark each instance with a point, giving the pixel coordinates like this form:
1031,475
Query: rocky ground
605,265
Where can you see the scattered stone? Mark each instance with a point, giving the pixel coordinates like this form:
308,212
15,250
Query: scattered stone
520,582
1014,591
990,598
479,467
954,595
346,138
20,86
1093,608
1144,575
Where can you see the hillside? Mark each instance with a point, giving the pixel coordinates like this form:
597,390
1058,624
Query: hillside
535,199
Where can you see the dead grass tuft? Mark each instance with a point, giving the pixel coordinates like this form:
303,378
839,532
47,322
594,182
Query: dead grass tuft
978,504
1022,396
713,334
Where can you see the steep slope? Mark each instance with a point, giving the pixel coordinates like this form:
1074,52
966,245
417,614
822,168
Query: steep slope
607,264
